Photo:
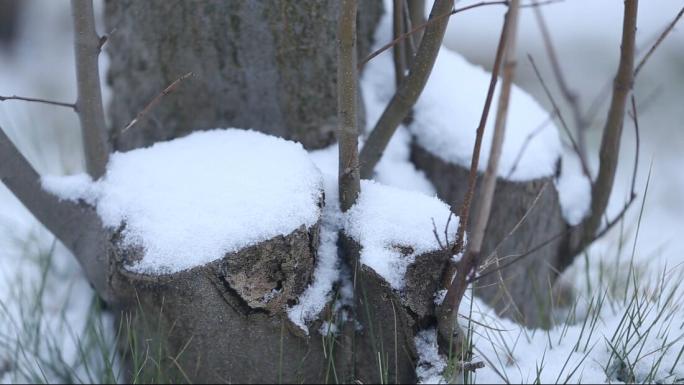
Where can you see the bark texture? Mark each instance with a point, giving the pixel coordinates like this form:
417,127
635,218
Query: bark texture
384,345
523,290
266,65
226,321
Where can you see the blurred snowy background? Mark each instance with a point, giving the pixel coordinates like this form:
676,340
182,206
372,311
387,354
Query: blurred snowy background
47,320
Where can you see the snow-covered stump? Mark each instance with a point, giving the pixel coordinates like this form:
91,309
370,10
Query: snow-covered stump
398,264
443,131
226,321
442,136
212,238
523,290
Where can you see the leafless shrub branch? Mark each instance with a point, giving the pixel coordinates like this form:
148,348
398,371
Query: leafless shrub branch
471,258
91,110
155,101
612,132
38,100
348,131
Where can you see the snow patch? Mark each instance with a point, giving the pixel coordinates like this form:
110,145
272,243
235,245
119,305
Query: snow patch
327,270
574,189
189,201
430,364
393,226
71,188
448,112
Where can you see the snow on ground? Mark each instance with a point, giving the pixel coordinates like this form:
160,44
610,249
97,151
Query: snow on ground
189,201
587,37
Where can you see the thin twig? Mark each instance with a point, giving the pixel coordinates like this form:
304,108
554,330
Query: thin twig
408,25
475,159
569,95
459,244
399,52
37,100
575,146
470,261
519,257
526,143
426,24
635,120
661,38
153,103
517,225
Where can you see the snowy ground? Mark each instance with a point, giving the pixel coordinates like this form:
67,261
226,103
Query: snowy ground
617,331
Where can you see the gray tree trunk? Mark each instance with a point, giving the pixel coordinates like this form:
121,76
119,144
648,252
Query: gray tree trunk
270,66
266,65
9,21
523,290
224,322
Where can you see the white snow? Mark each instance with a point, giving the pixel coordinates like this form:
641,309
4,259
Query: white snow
189,201
430,363
71,187
448,112
574,189
386,220
327,270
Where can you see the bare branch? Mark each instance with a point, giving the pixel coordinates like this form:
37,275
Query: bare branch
661,38
154,102
475,160
612,132
409,91
420,26
575,146
91,111
347,81
632,195
467,266
491,173
416,16
37,100
77,226
516,226
399,51
569,95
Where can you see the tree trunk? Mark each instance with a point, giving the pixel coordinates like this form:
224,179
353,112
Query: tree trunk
523,290
270,66
265,65
9,20
384,345
225,321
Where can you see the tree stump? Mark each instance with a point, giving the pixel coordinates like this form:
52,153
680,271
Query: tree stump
225,321
523,290
389,320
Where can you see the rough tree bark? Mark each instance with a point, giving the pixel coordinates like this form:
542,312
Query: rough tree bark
266,65
522,290
270,66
